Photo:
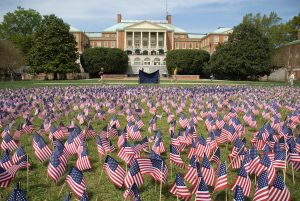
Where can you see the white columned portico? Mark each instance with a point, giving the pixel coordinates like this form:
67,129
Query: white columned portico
125,40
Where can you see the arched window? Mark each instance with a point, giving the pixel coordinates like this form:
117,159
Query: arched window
153,52
145,52
146,61
137,61
164,61
156,62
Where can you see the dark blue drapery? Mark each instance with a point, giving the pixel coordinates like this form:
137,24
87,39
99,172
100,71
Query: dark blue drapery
149,77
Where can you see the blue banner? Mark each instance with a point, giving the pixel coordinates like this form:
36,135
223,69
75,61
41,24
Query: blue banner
152,78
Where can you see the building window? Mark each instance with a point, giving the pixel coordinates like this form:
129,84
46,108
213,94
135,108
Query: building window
183,45
129,43
191,45
98,44
197,45
176,45
113,35
216,39
146,62
105,44
156,62
106,35
164,61
137,61
112,44
225,38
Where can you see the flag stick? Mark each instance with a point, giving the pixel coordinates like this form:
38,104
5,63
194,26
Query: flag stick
28,176
160,190
61,189
100,175
293,173
171,170
285,159
226,194
177,197
213,154
235,157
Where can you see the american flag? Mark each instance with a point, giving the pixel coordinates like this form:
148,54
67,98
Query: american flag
18,155
84,197
5,178
220,122
114,171
133,193
126,153
142,145
41,149
266,164
298,143
222,179
262,189
100,148
242,180
139,122
158,147
279,160
207,171
18,132
228,131
254,159
114,121
90,132
202,147
155,167
74,140
216,157
192,150
8,143
76,181
191,173
278,190
135,133
55,167
68,197
27,126
183,121
54,132
112,131
17,194
5,161
122,136
83,161
202,193
238,194
179,189
175,157
134,175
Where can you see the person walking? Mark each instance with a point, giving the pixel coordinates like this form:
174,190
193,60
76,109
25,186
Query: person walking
174,75
101,72
291,78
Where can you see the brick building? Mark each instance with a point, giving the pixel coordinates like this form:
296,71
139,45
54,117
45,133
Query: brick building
148,41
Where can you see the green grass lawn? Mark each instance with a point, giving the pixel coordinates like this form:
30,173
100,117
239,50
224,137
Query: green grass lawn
43,188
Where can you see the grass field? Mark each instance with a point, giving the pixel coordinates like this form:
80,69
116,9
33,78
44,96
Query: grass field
42,188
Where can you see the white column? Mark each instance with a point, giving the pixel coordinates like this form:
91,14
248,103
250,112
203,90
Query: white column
133,45
149,40
165,41
125,40
156,40
141,44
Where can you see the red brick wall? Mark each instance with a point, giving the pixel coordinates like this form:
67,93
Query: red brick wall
120,36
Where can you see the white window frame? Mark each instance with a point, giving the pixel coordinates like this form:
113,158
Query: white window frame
176,45
183,45
105,43
112,44
216,39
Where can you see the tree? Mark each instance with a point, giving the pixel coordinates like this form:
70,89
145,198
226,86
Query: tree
54,48
113,60
19,27
11,58
293,26
246,55
188,62
270,26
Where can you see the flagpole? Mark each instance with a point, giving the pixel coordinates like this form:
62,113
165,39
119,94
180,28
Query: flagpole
61,189
213,154
293,173
160,190
235,157
285,160
28,176
100,176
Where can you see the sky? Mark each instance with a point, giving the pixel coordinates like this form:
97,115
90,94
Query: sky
194,16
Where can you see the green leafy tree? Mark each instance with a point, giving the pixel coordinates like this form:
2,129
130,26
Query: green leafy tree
54,48
11,58
270,26
246,55
188,62
293,26
112,60
19,27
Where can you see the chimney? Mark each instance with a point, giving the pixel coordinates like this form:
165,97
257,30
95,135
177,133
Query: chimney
169,18
119,18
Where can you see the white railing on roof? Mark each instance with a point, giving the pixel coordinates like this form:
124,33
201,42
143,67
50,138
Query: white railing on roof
153,21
